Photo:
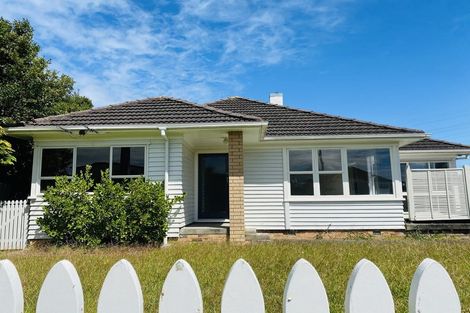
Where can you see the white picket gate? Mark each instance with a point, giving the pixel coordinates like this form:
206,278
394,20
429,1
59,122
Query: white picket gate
13,224
432,290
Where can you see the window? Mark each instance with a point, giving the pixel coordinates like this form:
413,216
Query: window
370,172
127,162
301,172
55,162
330,172
98,158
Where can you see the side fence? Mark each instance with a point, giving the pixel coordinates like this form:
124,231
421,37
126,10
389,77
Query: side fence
13,224
439,194
432,290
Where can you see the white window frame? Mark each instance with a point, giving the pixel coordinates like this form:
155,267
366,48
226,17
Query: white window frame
342,171
316,173
371,180
74,161
395,168
315,186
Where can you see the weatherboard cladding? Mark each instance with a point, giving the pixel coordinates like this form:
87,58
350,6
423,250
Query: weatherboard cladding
285,121
433,144
162,110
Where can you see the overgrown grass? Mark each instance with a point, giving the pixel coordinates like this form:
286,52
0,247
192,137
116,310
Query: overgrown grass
333,260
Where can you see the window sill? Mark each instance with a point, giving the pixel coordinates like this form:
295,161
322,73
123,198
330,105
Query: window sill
343,198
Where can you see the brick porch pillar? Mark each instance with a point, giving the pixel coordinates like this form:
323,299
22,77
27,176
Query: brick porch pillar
236,182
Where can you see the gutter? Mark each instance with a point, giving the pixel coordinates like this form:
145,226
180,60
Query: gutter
167,152
32,128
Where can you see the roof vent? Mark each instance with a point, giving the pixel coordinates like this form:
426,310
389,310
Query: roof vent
276,98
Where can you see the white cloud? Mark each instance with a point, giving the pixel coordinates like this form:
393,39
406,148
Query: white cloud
116,50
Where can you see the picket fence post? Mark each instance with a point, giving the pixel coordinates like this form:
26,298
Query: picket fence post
61,290
368,291
181,291
432,290
304,289
242,292
11,290
121,291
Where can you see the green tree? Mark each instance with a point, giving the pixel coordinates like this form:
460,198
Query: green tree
6,151
29,89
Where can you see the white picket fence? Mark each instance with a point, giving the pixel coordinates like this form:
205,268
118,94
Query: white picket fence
432,290
13,224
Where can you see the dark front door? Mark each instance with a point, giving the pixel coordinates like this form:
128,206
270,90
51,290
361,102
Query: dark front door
213,186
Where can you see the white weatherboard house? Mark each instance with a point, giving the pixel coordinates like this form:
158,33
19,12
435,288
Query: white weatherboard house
255,165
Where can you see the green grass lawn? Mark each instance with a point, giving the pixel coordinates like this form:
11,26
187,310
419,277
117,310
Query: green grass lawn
272,262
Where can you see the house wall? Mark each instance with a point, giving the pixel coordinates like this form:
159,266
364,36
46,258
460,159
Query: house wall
155,170
269,206
264,188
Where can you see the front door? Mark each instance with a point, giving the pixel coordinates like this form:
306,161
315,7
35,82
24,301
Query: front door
213,186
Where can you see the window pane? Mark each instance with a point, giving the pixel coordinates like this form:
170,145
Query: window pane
331,184
45,183
128,161
439,164
98,158
56,162
300,160
370,172
329,160
419,165
403,176
301,184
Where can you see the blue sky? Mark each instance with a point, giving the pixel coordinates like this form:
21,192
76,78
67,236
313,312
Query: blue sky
404,63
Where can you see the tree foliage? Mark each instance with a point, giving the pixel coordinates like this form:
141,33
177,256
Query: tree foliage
135,211
6,151
28,88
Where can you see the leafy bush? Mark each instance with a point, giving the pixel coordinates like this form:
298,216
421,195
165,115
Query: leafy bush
135,211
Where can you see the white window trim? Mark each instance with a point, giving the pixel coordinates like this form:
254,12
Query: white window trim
396,179
36,188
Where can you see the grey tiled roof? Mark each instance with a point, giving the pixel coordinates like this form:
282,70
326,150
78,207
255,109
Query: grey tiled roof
285,121
434,144
161,110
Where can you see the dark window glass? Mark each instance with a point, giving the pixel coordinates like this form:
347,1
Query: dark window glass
301,184
300,160
440,165
98,158
329,160
370,172
56,162
122,181
419,165
331,184
128,161
403,176
45,183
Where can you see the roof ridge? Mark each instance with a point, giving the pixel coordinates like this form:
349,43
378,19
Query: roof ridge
323,114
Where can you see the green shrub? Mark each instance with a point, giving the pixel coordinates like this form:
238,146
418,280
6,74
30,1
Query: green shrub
135,211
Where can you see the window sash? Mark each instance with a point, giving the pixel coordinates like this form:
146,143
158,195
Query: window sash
344,172
315,172
74,162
